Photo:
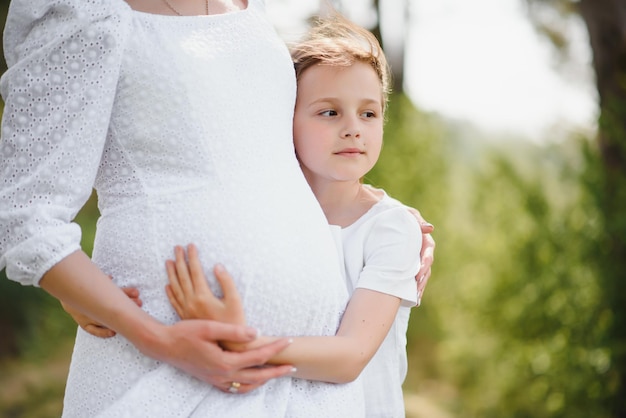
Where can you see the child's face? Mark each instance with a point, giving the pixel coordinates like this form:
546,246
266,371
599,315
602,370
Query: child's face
338,122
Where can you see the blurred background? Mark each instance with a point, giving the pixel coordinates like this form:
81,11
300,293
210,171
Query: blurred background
507,129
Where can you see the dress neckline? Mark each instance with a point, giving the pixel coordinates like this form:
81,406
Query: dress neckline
188,17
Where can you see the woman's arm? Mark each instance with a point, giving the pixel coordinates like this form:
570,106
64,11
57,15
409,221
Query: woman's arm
338,359
93,327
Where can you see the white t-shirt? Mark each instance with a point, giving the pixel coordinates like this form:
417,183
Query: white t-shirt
381,252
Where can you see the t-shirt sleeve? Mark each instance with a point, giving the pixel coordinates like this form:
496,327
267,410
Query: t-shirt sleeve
392,256
64,60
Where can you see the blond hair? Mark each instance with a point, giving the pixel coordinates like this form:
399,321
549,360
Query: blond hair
336,41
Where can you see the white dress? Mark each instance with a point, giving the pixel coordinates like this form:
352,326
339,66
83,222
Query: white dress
381,252
183,126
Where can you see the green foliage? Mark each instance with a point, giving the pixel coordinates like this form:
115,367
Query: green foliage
527,316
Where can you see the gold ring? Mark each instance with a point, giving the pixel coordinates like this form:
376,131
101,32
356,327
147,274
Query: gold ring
234,387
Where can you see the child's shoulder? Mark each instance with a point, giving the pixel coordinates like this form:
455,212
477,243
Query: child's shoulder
386,202
391,212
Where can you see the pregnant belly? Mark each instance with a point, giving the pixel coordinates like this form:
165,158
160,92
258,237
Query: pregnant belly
280,254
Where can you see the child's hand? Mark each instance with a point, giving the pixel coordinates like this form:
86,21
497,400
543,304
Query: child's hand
191,296
427,254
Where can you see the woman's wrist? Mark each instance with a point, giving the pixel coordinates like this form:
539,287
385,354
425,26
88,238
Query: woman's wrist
147,334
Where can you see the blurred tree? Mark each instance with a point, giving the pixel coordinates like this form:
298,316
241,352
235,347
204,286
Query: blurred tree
606,25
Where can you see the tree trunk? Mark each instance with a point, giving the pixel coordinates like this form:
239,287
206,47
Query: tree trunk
606,24
395,51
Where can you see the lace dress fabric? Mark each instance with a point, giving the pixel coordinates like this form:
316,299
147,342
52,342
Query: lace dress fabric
183,126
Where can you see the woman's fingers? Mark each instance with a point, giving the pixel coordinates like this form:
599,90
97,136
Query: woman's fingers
246,380
235,387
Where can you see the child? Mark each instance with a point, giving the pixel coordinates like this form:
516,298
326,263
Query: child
343,84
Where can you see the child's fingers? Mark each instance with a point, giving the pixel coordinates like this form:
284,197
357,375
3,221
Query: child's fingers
174,285
198,280
99,331
182,271
226,282
174,301
133,294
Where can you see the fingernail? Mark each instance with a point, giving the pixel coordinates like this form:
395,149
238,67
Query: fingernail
219,268
253,332
428,224
294,369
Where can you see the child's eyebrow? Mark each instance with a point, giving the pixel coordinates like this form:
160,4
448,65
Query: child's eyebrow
324,100
332,99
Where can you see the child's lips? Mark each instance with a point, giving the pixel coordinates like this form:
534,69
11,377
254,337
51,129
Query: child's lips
350,152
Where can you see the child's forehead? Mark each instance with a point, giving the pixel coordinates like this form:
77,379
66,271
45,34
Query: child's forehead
331,82
334,73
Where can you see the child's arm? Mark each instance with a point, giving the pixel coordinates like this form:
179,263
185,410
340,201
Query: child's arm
341,358
338,359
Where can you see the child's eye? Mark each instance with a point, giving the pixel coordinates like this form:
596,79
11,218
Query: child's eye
368,114
329,112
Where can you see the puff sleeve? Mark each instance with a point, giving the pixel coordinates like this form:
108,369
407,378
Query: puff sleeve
64,60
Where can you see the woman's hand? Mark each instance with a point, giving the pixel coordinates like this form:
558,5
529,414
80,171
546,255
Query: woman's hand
92,326
190,295
191,345
427,254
